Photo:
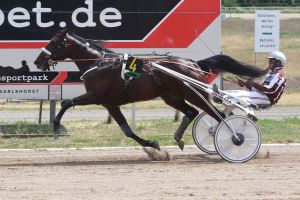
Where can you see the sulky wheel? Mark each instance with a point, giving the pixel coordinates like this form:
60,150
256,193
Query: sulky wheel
240,142
203,133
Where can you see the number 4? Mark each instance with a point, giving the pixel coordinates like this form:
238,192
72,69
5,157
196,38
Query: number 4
133,65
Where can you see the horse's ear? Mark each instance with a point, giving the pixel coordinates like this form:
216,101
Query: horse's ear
65,31
60,34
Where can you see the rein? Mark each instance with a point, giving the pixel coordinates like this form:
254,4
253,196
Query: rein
84,60
230,80
53,62
195,69
146,59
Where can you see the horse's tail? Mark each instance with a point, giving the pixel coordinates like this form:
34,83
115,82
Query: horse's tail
228,64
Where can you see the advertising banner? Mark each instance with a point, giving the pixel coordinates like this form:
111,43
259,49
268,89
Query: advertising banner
185,28
40,85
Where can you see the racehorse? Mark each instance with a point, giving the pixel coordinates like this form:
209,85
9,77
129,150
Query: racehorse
101,75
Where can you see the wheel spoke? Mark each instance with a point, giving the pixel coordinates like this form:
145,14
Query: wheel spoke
206,139
250,139
226,147
231,127
241,129
249,148
207,123
224,138
203,126
225,134
242,154
237,152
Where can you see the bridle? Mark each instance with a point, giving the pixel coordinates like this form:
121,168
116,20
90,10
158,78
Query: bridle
52,54
51,61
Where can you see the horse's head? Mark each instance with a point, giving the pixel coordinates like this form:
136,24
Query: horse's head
56,49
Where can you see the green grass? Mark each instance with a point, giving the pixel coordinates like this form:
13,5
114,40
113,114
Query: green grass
35,105
283,9
281,131
94,134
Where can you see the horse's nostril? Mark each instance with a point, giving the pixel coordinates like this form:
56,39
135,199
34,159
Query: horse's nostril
36,62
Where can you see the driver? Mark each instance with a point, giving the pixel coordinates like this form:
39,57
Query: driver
269,91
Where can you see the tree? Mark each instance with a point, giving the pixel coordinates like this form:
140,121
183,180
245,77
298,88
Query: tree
229,3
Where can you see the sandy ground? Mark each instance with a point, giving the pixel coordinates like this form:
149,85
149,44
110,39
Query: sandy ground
128,173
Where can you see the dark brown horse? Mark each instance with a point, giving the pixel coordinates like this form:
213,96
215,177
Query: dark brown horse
101,72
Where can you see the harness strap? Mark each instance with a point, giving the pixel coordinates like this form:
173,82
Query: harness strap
87,71
46,51
123,71
153,75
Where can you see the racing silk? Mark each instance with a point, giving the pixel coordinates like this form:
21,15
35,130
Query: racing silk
273,85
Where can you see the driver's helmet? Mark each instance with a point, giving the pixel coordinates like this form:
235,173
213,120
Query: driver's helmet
277,55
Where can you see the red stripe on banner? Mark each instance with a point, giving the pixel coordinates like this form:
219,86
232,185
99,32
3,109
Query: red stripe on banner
181,28
22,45
22,84
62,76
73,83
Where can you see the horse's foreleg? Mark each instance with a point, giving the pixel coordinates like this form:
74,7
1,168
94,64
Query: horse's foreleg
189,115
84,99
65,105
120,119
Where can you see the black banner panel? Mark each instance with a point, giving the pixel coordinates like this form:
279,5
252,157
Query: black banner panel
96,19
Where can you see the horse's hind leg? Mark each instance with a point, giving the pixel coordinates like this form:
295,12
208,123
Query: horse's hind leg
120,119
194,99
189,115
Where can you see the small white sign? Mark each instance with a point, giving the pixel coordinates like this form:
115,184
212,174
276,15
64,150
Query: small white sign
24,92
54,92
267,30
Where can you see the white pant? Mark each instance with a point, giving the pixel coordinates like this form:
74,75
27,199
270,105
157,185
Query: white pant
251,97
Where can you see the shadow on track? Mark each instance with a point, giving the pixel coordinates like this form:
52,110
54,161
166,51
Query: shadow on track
131,160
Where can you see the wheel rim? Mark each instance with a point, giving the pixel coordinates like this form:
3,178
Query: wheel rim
234,150
203,133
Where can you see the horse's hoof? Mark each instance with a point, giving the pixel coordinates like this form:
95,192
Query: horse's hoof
155,145
180,144
56,126
56,129
56,135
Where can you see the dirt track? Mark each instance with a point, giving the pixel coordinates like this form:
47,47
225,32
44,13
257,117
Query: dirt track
129,174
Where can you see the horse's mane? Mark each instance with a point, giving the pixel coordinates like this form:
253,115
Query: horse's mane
98,45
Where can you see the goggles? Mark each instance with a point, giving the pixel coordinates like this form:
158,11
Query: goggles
272,60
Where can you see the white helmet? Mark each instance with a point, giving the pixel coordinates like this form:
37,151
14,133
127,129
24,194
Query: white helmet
277,55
